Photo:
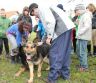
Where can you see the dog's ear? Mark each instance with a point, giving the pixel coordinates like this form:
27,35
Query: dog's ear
35,40
34,45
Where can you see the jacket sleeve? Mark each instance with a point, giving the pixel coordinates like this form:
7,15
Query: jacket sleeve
94,23
48,21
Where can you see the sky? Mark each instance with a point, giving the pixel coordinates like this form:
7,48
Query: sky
14,5
19,4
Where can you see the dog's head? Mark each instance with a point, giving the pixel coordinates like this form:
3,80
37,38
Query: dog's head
30,50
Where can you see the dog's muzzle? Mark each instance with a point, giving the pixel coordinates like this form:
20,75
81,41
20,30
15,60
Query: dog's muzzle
28,56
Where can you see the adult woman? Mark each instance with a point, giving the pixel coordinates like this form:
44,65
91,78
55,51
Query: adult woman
92,8
15,34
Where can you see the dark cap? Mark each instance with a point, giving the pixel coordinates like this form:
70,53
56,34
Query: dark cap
32,7
60,6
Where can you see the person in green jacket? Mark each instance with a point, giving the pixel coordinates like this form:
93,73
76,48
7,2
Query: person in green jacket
4,24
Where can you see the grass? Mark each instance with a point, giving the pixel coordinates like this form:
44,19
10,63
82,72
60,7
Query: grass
8,70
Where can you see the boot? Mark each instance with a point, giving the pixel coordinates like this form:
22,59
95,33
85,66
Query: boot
94,50
89,49
17,59
13,59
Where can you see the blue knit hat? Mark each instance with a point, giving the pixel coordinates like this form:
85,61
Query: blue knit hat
60,6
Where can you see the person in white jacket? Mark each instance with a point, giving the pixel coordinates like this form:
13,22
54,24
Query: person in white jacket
84,34
58,27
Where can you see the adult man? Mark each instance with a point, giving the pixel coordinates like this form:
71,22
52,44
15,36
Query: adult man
4,24
60,33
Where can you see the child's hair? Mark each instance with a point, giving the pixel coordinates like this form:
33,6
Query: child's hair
24,24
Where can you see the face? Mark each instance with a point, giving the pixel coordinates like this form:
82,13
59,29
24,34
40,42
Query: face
77,13
26,13
25,29
35,12
30,50
2,13
37,20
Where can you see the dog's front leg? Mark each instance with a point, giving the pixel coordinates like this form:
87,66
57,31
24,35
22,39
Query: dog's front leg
39,69
31,68
22,69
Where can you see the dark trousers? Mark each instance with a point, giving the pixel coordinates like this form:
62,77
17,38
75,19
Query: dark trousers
22,56
5,41
59,57
74,39
94,50
89,48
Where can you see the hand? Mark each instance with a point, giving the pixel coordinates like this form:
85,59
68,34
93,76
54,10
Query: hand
48,40
40,43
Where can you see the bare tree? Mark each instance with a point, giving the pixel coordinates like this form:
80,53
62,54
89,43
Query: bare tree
72,1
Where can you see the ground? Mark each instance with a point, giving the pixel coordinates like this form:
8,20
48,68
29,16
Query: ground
8,70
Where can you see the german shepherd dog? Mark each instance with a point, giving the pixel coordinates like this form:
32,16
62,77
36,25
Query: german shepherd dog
35,55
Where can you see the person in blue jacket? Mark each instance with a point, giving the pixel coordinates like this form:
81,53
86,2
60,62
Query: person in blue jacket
15,34
41,30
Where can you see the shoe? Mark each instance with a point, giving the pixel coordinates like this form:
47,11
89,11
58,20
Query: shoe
94,54
81,69
89,54
0,57
13,59
47,81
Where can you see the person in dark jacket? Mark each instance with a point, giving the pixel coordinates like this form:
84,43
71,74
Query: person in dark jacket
92,8
40,30
74,19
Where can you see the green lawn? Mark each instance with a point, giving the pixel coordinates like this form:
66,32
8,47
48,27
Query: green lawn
8,70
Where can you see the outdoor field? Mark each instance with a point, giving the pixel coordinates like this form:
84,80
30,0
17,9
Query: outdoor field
8,70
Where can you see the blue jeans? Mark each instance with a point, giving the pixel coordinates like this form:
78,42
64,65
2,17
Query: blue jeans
59,57
82,52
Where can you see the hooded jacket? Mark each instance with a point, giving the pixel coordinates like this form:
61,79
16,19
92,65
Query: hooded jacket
55,21
85,26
